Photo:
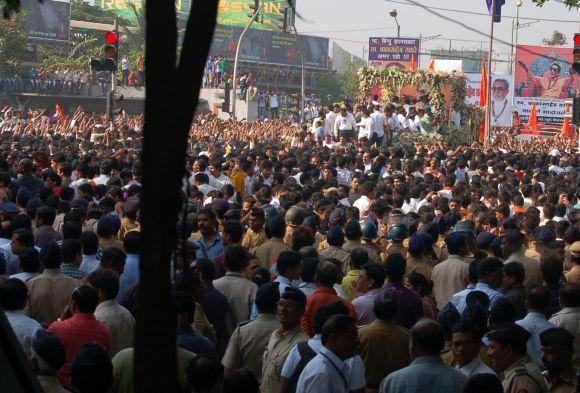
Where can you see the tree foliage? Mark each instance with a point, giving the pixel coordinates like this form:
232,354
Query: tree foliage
557,38
569,3
349,82
12,45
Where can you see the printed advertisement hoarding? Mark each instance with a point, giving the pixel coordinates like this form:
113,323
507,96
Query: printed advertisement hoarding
49,20
385,52
501,97
124,10
235,13
263,46
544,75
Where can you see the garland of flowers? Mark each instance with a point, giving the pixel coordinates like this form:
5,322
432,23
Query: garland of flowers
391,80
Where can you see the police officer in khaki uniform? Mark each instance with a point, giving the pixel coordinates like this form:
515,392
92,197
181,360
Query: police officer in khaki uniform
294,218
248,342
507,349
353,234
337,218
267,252
335,239
290,310
557,351
369,239
397,235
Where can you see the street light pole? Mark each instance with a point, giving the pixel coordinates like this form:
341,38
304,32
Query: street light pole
235,76
518,5
487,134
301,107
394,14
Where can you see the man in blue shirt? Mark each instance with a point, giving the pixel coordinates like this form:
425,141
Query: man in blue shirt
427,373
490,275
187,338
210,243
537,304
130,276
329,371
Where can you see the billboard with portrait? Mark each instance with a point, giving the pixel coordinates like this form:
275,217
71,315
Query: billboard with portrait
502,96
388,52
49,20
544,75
271,47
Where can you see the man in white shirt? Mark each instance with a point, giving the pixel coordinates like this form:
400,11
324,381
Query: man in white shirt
273,100
328,371
328,142
378,126
345,124
217,179
466,345
118,319
330,120
201,181
455,116
125,69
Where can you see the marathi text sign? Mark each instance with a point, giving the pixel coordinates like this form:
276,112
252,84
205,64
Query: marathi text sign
544,75
502,97
263,46
49,20
387,52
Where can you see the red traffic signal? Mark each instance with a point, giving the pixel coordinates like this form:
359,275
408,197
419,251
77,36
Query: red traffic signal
111,38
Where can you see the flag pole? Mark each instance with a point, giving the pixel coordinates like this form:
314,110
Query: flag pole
489,54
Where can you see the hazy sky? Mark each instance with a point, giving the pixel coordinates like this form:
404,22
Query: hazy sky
351,22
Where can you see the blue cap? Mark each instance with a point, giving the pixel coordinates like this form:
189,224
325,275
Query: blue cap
9,208
455,240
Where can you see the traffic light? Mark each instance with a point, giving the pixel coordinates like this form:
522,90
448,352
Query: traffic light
574,113
111,54
255,8
285,19
576,54
111,51
114,110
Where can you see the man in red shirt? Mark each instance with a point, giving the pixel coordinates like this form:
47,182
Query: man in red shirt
77,326
326,275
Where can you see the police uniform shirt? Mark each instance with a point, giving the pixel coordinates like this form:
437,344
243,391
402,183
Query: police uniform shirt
523,376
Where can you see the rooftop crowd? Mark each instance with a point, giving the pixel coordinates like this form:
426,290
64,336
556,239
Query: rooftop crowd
319,257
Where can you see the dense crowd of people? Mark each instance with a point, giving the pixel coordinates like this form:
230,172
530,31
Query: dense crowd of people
319,258
71,81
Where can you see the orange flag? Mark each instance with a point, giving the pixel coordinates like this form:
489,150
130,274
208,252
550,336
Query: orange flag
483,89
60,113
566,124
412,64
533,120
482,99
432,65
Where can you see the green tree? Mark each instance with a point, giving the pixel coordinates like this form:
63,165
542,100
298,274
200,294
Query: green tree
12,45
557,38
349,81
569,3
83,11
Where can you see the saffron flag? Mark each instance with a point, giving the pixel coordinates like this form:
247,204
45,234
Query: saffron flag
566,124
60,113
483,89
533,120
483,100
412,64
432,65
